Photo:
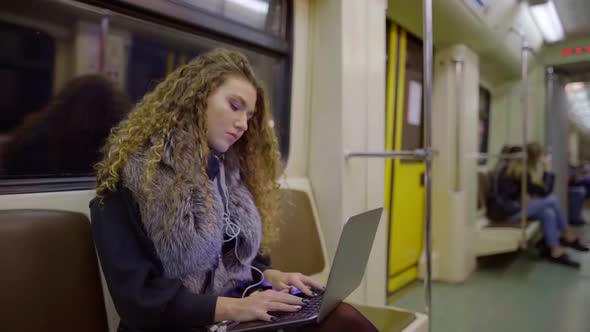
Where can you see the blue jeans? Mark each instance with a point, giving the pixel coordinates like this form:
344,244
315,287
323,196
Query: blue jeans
584,181
576,197
549,214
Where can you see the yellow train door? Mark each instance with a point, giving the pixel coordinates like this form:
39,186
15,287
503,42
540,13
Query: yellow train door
404,190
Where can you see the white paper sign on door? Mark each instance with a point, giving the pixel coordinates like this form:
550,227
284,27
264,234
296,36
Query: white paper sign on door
414,103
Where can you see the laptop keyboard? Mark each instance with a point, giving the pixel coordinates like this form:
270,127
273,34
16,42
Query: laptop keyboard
307,311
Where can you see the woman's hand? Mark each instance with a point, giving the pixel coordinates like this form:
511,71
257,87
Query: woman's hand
256,306
282,280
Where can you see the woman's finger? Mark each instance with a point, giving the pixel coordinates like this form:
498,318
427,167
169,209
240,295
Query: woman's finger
299,284
282,307
314,284
285,298
264,316
283,285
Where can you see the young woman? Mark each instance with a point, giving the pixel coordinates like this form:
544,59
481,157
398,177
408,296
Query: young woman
187,202
542,204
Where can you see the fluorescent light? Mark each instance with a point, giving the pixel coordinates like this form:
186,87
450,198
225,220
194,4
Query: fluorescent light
574,86
579,110
545,15
258,6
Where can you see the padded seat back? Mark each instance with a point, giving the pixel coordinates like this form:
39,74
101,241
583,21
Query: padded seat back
483,189
49,278
299,247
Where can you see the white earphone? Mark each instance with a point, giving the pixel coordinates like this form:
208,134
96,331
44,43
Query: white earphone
231,229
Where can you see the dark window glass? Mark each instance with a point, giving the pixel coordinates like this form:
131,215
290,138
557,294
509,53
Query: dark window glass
485,100
69,73
26,64
56,109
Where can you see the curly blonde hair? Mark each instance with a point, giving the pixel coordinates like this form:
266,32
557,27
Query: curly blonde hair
179,103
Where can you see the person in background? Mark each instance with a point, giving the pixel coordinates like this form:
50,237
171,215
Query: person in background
578,192
541,204
503,158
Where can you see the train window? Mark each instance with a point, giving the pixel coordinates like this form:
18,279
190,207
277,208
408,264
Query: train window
266,15
485,99
25,72
71,71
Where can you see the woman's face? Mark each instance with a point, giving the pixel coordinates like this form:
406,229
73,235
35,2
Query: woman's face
229,108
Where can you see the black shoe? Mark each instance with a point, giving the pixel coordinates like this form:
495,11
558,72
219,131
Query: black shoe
564,260
541,244
578,222
576,245
544,251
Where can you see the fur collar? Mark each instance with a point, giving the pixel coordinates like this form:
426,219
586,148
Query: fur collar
192,248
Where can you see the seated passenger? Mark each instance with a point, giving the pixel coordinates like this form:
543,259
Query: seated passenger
502,158
578,178
576,197
576,194
187,203
579,191
505,205
65,137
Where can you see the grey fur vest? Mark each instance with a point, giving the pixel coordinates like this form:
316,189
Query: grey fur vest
191,249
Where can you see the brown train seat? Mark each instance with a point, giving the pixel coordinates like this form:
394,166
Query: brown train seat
50,279
301,248
497,237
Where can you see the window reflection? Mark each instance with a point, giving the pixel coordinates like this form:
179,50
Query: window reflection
65,137
71,71
25,72
265,15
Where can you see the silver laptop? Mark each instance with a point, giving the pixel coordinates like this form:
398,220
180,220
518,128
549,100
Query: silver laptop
346,274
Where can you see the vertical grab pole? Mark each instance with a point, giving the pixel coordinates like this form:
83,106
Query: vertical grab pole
524,105
458,121
549,100
427,58
104,38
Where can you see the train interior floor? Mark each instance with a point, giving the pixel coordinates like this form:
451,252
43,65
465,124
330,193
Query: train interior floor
516,292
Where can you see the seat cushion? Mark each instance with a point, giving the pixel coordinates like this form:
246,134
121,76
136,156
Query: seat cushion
50,279
483,189
299,248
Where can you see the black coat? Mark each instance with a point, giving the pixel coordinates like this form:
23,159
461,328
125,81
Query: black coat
144,297
505,194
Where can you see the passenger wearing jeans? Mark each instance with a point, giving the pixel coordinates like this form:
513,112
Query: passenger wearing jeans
583,181
578,192
576,197
541,205
579,180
